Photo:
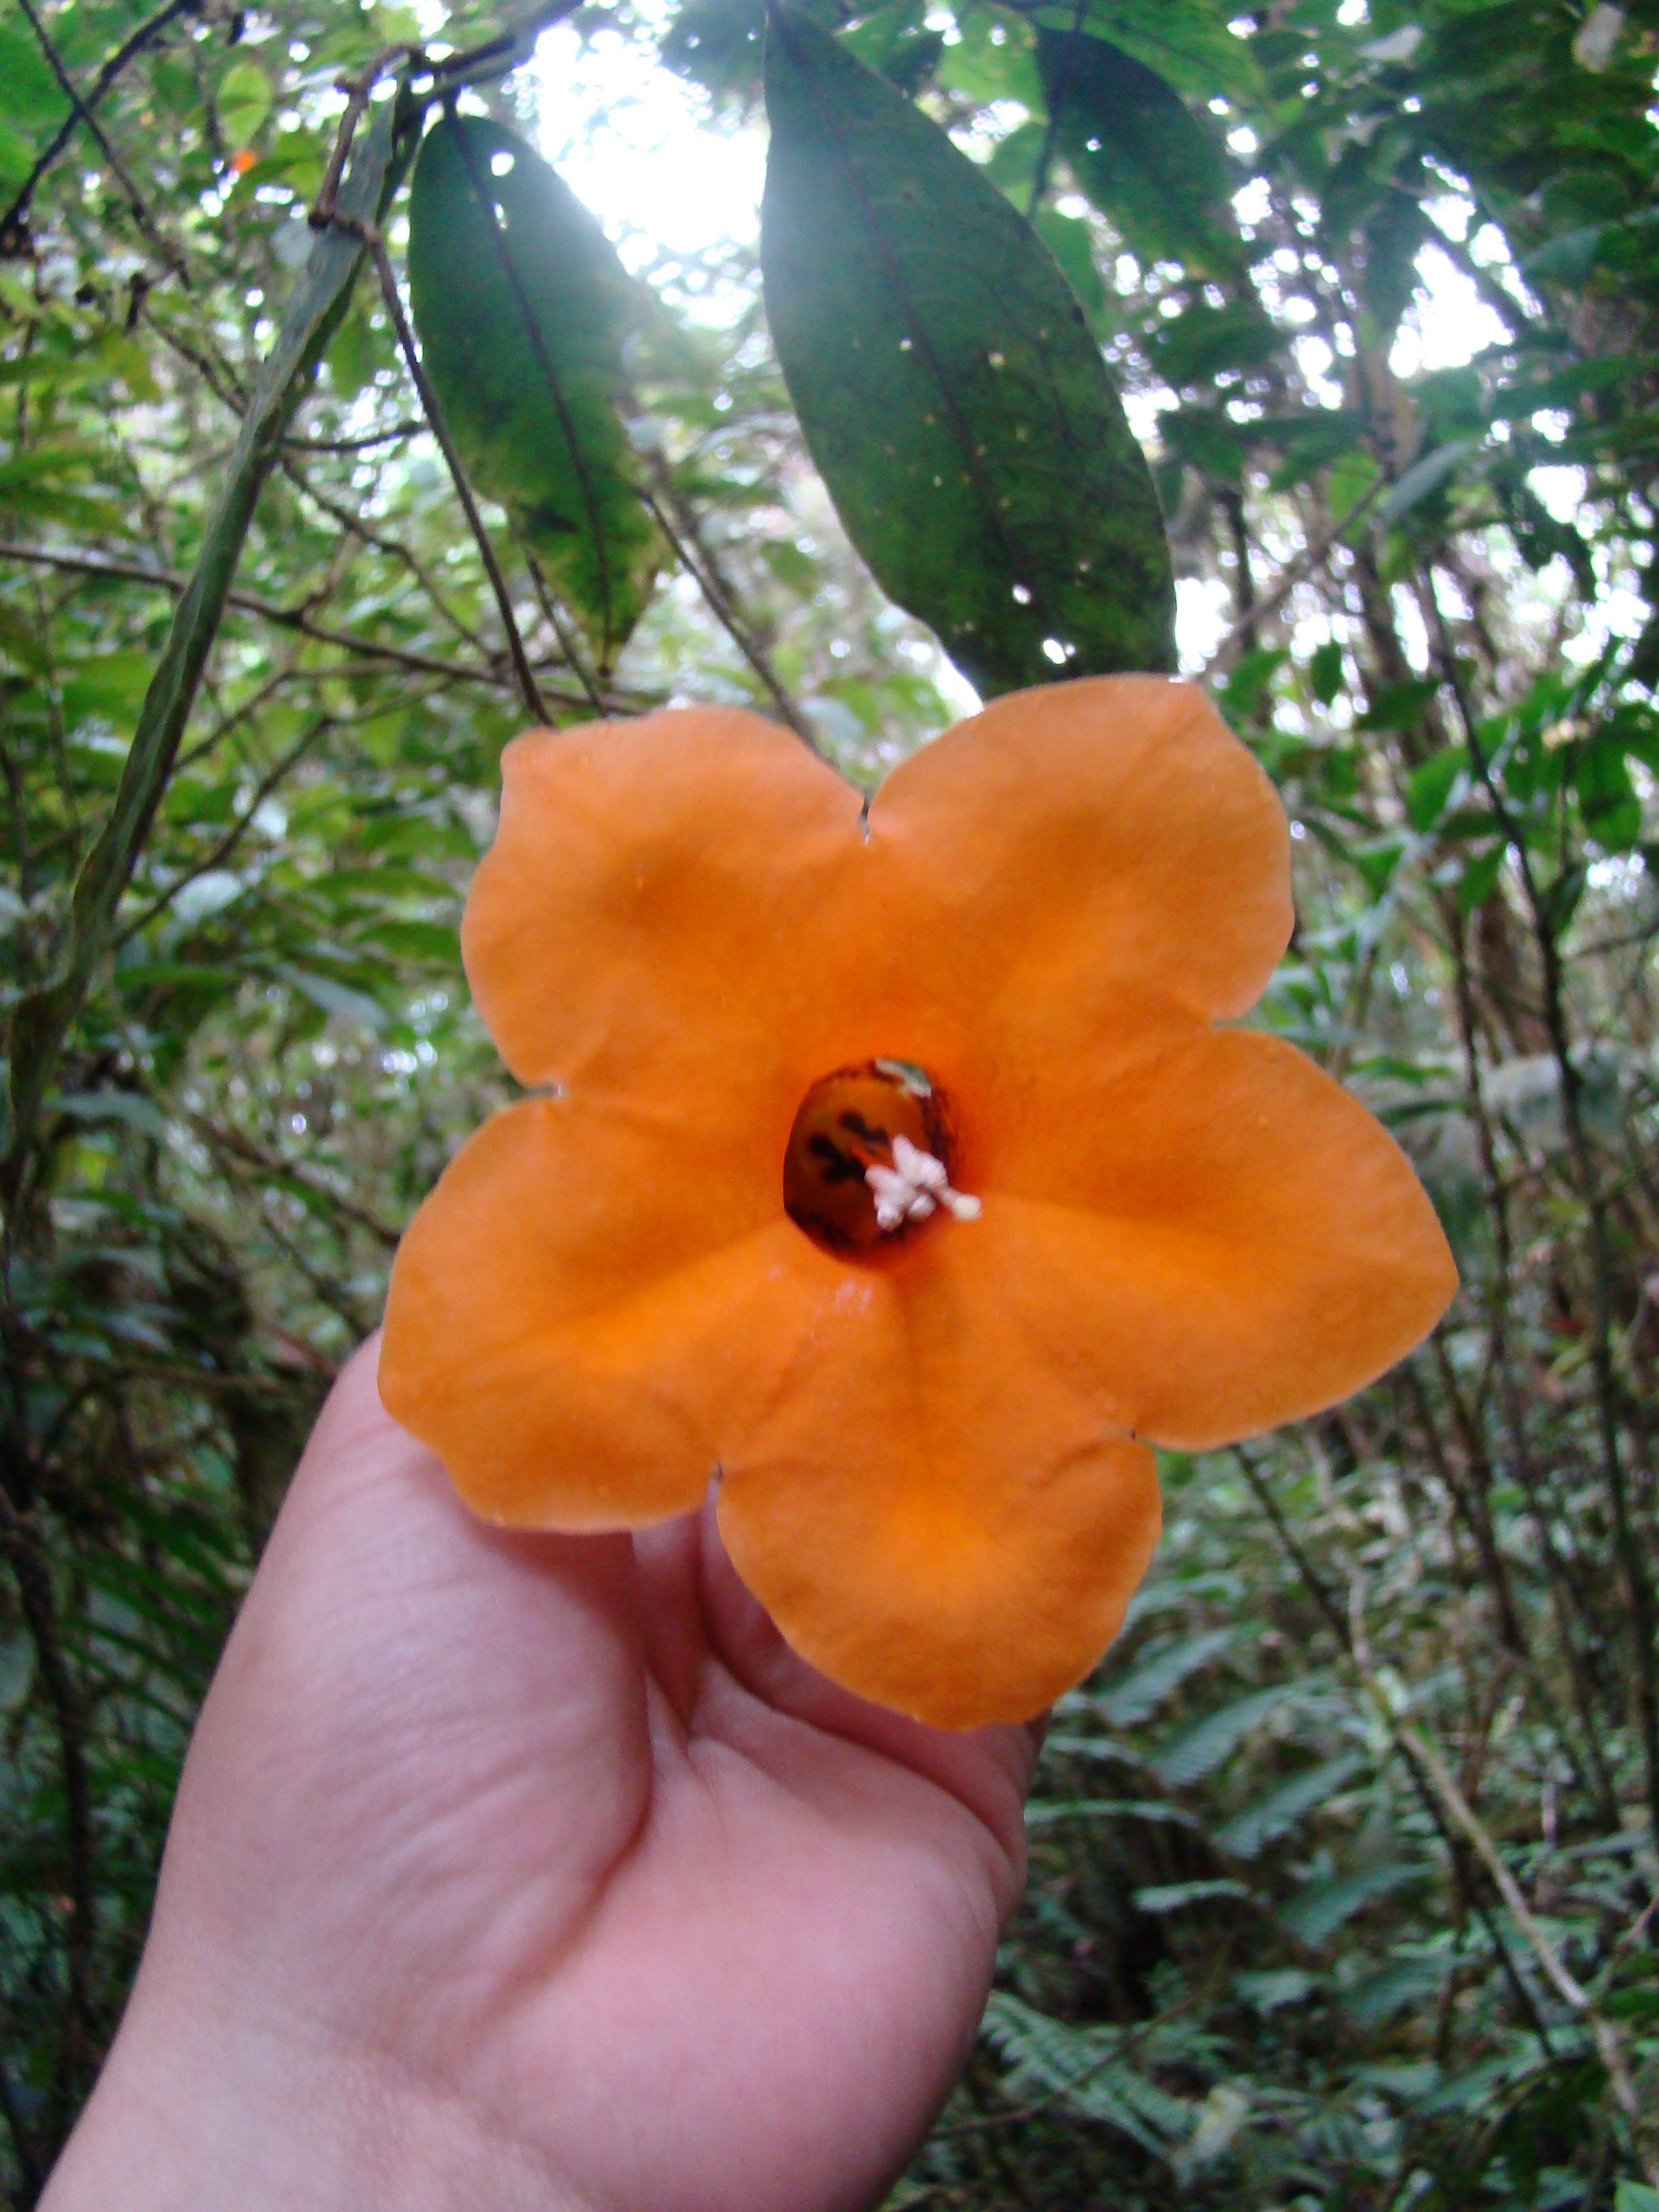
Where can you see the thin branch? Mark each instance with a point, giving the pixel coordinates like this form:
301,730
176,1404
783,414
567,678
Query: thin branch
82,109
389,547
171,253
708,581
1289,577
1572,1992
358,91
1341,1627
232,836
569,643
1638,1589
528,690
294,619
398,430
272,1164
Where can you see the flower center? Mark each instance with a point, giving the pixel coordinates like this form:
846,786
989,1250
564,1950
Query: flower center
869,1157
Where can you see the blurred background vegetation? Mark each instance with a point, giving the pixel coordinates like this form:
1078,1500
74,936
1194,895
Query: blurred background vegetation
1344,1867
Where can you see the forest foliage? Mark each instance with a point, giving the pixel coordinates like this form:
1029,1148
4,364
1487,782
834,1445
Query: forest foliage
1344,1867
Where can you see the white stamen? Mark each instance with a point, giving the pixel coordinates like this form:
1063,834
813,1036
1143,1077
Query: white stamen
913,1187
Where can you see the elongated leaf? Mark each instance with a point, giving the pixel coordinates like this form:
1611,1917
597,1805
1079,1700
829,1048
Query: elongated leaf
950,395
1321,1909
1279,1811
1187,42
1175,1896
1140,154
522,307
1199,1750
1081,2068
1050,1813
1144,1689
1205,341
1423,478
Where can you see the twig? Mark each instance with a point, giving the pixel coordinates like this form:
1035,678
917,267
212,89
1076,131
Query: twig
294,619
391,547
370,235
232,836
1342,1628
397,430
562,629
272,1163
356,89
82,108
1289,577
451,75
171,254
1567,1987
1638,1590
708,581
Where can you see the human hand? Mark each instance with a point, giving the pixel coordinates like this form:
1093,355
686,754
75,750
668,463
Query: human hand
535,1873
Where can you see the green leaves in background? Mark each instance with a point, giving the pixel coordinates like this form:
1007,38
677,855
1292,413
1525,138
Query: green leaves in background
30,99
522,307
1187,42
948,391
1154,168
245,98
41,1017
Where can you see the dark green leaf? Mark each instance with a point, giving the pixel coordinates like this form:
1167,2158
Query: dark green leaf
522,308
30,94
1607,798
950,393
1207,342
1325,672
1154,1678
1198,1750
1431,787
1319,1910
1286,1806
1187,43
1248,686
17,154
1144,159
1206,441
895,41
1479,877
717,43
1398,706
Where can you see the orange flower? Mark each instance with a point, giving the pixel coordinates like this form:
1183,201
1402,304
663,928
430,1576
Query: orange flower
744,999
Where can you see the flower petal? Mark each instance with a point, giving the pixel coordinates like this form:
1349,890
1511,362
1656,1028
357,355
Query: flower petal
582,1301
642,923
1219,1230
1076,844
936,1518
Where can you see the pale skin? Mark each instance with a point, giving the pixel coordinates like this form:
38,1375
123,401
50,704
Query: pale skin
523,1873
